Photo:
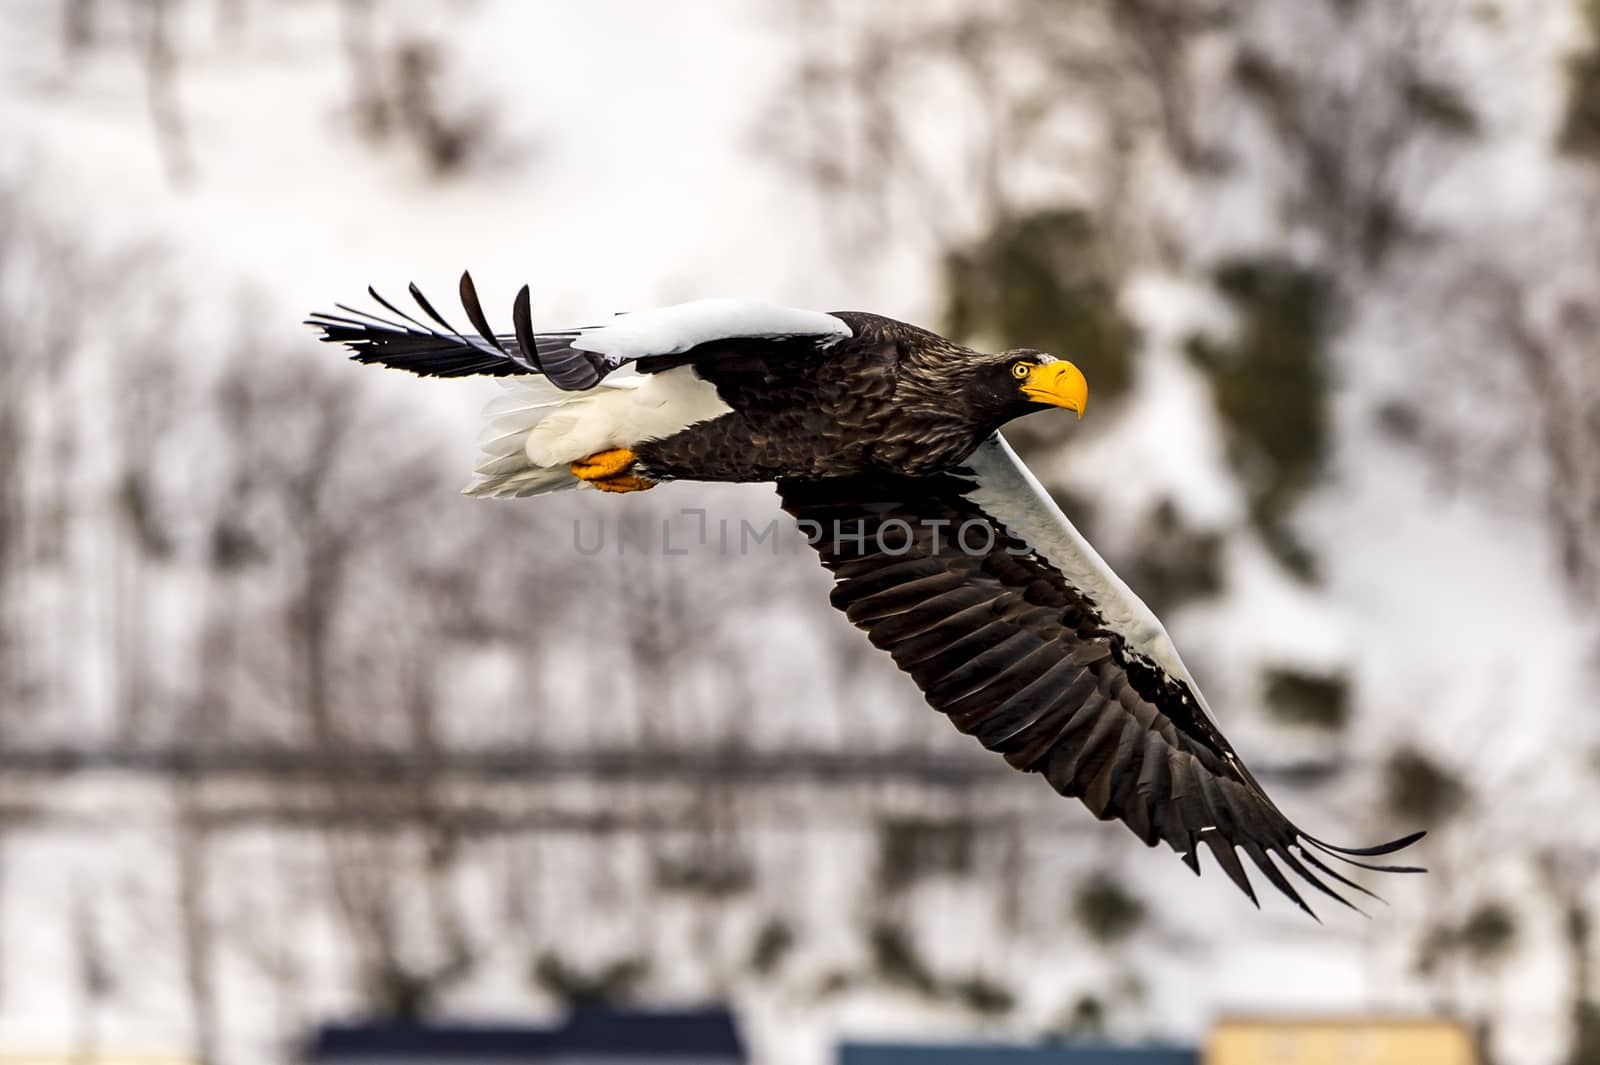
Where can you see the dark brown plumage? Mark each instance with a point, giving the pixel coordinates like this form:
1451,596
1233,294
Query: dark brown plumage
1003,644
891,397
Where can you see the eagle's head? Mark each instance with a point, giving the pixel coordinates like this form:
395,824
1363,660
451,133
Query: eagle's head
948,397
1017,382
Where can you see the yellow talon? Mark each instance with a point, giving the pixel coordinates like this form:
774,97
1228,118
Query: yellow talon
603,464
624,483
608,471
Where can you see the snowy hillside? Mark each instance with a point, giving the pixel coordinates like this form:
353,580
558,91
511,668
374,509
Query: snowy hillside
682,779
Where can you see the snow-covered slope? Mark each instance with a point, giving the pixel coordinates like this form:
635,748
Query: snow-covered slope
626,181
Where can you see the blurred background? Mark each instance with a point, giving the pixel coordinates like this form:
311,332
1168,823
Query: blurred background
293,736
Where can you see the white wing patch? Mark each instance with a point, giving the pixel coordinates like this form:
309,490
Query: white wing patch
1009,492
670,330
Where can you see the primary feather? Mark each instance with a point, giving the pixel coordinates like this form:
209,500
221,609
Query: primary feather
573,359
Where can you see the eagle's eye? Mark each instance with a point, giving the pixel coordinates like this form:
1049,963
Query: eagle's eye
1021,370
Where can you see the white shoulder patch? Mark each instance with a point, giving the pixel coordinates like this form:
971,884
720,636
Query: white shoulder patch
1009,492
669,330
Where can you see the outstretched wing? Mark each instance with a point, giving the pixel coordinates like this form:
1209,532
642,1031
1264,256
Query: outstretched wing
572,359
1014,628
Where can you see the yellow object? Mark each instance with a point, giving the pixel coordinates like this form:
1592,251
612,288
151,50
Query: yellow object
623,483
1340,1041
603,464
1058,383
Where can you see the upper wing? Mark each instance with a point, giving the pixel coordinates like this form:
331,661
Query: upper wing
573,359
1015,628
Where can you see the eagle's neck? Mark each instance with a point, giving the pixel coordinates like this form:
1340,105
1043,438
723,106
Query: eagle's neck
933,424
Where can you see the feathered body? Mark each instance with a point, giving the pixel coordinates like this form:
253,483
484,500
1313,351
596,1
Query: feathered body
886,399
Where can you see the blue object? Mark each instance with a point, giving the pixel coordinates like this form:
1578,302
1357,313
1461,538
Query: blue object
1003,1054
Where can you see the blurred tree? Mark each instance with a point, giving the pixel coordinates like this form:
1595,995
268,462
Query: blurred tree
95,980
1580,129
407,88
1041,88
713,866
896,959
1106,910
78,25
911,849
1084,1016
1568,876
1488,933
982,995
1271,388
1296,697
399,93
1481,940
1172,563
1356,143
1585,1010
774,941
161,90
450,139
1420,790
614,983
1039,281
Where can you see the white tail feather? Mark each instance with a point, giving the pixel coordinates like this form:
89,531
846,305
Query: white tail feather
532,481
536,430
504,469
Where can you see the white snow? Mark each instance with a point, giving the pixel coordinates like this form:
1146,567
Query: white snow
1165,441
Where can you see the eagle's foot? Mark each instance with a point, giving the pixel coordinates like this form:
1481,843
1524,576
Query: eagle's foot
625,482
603,464
608,471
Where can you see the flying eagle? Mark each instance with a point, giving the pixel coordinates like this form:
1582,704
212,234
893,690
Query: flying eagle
882,439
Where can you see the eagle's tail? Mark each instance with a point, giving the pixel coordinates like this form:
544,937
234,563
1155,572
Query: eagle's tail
504,467
535,431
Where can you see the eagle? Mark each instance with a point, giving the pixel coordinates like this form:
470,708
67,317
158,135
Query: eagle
883,441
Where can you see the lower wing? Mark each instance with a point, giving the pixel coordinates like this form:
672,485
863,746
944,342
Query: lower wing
1014,628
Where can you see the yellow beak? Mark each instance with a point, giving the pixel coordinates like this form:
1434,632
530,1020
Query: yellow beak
1059,384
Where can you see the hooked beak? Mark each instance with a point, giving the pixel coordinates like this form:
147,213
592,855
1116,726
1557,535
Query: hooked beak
1059,383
